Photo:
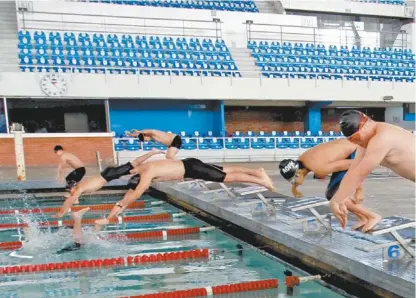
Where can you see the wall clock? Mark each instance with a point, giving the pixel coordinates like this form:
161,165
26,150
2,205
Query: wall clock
53,84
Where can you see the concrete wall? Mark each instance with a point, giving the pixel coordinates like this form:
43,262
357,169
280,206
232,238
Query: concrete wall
349,7
394,115
208,88
7,156
264,119
165,115
38,148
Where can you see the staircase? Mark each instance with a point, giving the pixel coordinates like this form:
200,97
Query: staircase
8,37
245,62
270,6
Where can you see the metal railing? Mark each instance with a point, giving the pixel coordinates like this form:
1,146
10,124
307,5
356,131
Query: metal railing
110,24
225,74
327,36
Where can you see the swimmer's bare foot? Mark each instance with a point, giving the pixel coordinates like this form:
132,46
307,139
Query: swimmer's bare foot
359,224
79,214
100,223
268,183
371,223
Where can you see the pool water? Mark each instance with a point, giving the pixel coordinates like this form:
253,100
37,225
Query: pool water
230,260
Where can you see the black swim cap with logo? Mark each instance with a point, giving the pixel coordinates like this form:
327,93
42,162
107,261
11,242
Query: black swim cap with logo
351,121
288,168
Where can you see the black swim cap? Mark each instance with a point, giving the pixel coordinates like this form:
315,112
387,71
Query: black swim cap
141,137
351,121
288,168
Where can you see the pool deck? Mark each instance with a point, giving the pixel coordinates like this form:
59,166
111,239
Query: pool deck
386,195
336,250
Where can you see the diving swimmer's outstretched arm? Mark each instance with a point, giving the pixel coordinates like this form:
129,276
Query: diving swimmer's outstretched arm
141,159
129,197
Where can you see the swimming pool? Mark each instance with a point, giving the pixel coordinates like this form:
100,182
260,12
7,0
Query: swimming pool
229,261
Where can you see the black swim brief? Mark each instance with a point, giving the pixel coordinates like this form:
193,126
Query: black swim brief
112,173
196,169
74,177
335,181
176,142
133,182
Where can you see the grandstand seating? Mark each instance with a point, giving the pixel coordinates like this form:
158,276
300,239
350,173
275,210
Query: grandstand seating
392,2
229,5
255,140
126,54
309,61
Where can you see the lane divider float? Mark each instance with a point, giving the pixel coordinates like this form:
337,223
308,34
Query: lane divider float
158,234
100,207
292,281
160,217
109,262
249,286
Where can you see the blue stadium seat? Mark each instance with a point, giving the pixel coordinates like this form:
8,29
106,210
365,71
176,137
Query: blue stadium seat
118,145
215,143
188,144
269,143
282,143
132,145
231,143
243,143
257,143
203,144
306,142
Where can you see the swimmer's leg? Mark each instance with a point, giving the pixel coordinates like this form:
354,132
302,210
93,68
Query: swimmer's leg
77,231
243,177
171,152
259,173
370,218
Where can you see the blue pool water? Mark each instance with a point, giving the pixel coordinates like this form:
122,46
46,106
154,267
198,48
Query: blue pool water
225,265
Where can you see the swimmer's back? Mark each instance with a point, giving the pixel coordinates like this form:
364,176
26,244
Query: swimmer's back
325,153
401,156
73,161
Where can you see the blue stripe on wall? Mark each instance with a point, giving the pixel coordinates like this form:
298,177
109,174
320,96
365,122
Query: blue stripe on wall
409,117
166,115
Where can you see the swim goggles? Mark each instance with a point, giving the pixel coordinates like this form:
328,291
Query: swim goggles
355,137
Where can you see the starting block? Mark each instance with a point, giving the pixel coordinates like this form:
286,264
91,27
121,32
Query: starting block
238,192
314,222
394,250
191,184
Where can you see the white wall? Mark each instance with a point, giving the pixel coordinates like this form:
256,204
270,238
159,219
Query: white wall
394,115
220,88
350,7
232,27
411,29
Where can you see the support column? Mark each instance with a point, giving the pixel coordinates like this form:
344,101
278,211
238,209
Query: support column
107,115
6,114
313,121
18,132
222,122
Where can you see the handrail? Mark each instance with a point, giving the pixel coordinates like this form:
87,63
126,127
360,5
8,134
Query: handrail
315,35
212,27
200,71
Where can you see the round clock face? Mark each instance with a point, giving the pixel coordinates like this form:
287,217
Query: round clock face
53,84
